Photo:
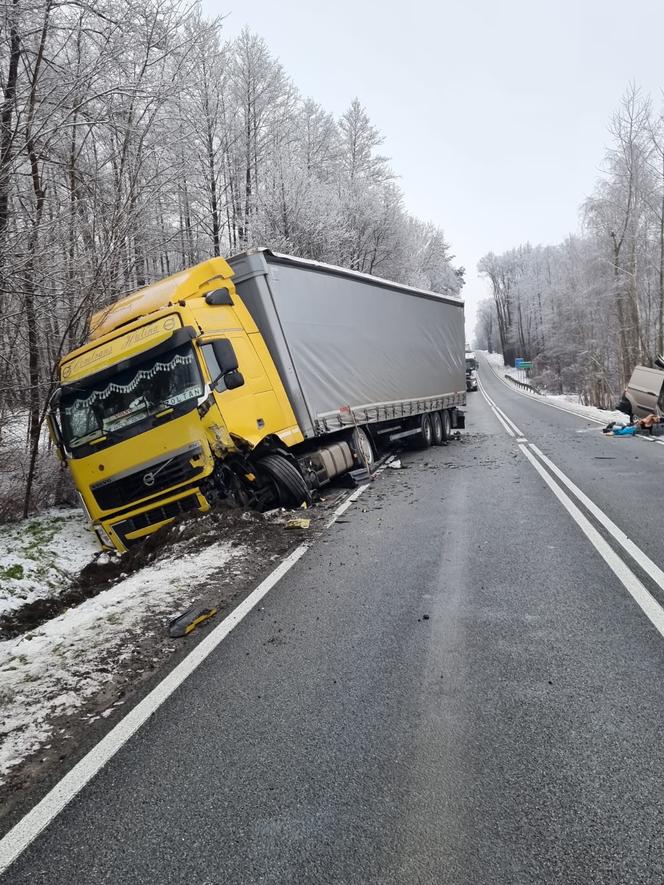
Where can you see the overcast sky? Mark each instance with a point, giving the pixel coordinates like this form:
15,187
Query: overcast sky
494,114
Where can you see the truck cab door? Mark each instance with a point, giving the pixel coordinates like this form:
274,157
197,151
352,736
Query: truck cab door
250,410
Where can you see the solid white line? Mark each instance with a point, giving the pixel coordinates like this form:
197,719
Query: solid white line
356,494
648,605
543,400
510,422
651,608
483,392
569,411
641,559
29,827
343,507
502,421
495,410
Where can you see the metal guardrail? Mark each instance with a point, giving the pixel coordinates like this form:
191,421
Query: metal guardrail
523,385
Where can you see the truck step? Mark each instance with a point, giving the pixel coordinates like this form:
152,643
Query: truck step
360,476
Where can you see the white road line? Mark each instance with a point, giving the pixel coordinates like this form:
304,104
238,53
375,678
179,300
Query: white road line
635,552
543,400
30,826
509,421
641,559
500,418
646,602
484,393
496,411
343,507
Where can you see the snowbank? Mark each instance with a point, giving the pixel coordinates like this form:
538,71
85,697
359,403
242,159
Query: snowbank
39,557
53,669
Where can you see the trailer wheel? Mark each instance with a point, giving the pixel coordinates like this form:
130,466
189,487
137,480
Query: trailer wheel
291,489
437,428
425,436
363,448
447,425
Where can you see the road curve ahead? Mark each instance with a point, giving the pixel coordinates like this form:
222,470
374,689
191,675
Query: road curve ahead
460,683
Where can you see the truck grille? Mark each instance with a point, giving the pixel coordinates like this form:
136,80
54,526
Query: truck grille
152,517
147,479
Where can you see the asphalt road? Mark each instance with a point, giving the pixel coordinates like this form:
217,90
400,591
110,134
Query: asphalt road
452,686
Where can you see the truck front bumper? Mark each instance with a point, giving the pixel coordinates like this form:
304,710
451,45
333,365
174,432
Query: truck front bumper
134,525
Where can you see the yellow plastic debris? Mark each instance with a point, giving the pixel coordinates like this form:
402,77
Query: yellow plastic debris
298,523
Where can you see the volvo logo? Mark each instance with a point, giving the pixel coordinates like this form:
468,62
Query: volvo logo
149,477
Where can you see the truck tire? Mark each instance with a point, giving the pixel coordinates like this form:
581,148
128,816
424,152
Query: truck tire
447,425
363,448
437,427
424,438
291,488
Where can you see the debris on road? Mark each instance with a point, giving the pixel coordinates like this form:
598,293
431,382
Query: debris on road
395,465
184,624
298,523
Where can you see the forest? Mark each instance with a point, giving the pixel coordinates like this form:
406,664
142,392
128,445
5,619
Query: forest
135,140
589,309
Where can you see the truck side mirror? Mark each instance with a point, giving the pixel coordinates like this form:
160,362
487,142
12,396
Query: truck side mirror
56,438
233,379
225,355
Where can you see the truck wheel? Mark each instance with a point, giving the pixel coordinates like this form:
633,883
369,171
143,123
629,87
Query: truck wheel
291,488
437,427
447,425
363,448
425,436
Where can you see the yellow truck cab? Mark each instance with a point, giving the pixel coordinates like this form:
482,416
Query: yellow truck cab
258,379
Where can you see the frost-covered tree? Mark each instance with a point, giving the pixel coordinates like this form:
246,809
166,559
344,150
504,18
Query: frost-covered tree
588,310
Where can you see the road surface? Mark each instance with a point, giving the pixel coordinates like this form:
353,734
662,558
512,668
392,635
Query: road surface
457,684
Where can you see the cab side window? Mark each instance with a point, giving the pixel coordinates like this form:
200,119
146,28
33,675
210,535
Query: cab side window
216,371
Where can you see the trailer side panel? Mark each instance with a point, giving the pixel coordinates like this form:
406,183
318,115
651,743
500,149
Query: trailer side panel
344,340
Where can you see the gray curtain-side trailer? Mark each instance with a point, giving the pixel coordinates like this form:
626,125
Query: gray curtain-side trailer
353,349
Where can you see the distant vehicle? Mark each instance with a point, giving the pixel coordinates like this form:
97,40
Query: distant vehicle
258,379
644,394
471,370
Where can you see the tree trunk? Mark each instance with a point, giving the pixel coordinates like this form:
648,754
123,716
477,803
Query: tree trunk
6,116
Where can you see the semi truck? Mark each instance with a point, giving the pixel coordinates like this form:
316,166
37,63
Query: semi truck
259,378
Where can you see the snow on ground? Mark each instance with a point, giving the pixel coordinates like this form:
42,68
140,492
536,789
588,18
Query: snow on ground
39,557
53,669
570,402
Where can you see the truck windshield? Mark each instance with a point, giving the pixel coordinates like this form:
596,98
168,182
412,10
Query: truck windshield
146,388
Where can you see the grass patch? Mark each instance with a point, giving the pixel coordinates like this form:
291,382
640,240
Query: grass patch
14,572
